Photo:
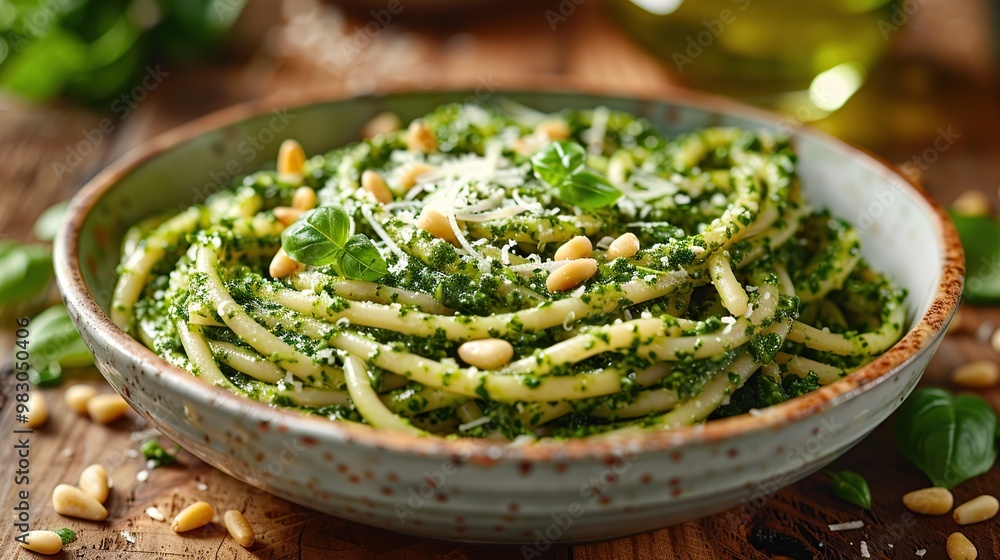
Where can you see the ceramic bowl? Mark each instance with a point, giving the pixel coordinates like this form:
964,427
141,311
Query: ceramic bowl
481,490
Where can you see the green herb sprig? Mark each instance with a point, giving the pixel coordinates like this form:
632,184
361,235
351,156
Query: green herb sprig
54,344
152,451
563,165
322,237
851,487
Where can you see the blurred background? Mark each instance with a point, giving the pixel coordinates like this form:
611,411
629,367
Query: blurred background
915,81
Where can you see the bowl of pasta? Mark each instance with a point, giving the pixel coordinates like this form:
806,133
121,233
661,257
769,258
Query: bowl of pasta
541,317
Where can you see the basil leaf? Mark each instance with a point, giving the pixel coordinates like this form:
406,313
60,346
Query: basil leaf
317,238
851,487
322,237
588,191
67,535
362,260
950,438
54,344
981,241
563,166
25,271
47,224
558,161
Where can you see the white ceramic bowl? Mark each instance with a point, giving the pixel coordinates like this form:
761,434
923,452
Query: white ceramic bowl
479,490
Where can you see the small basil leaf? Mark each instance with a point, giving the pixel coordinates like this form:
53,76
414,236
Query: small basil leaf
852,487
152,451
950,438
317,238
25,271
588,191
981,240
47,224
322,237
55,344
558,161
361,260
66,535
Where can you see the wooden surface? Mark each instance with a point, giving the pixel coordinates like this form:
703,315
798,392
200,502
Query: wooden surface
944,83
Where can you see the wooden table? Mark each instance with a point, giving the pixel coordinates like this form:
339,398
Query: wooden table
45,156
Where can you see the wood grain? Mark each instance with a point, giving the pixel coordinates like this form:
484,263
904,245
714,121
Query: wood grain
422,52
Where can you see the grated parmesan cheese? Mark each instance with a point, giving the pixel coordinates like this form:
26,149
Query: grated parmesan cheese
847,526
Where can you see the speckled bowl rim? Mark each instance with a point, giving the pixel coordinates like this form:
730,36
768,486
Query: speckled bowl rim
919,339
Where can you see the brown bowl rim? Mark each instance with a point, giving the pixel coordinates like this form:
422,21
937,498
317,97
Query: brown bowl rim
922,336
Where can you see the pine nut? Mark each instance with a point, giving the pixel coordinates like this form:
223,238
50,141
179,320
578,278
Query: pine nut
571,274
408,176
194,516
488,353
304,198
291,158
553,129
38,411
977,509
239,528
375,185
287,215
77,396
626,246
94,482
282,265
577,248
71,501
976,375
972,203
382,123
105,409
436,224
961,548
929,501
420,137
995,341
42,542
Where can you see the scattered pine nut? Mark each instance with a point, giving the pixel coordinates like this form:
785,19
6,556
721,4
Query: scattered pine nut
38,411
94,482
304,199
287,215
995,341
239,528
487,353
282,265
77,396
553,129
929,501
571,275
291,158
42,542
71,501
977,509
972,203
976,375
961,548
626,246
411,173
372,182
420,137
382,123
436,224
193,517
105,409
577,248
